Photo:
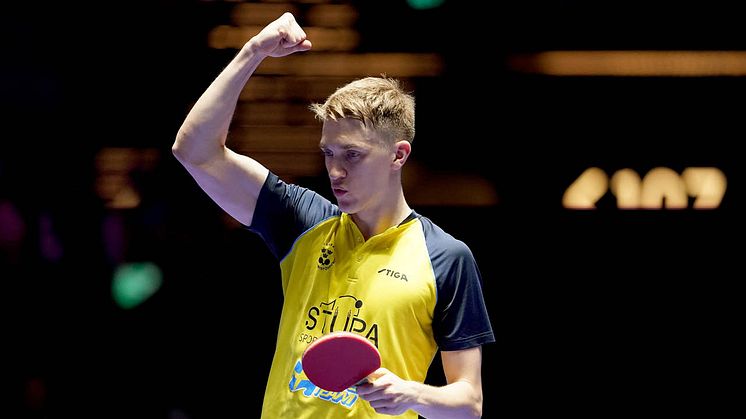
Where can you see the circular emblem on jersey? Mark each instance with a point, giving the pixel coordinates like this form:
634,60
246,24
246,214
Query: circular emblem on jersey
326,259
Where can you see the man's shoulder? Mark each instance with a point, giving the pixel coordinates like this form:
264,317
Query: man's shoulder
298,195
440,241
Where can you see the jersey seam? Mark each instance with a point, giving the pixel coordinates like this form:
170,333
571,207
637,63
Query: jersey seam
306,232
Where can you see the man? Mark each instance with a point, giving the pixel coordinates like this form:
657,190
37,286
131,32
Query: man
369,265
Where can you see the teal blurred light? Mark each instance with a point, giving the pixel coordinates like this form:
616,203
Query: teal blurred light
425,4
133,283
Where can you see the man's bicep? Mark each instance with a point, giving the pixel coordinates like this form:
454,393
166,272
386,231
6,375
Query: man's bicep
233,181
463,365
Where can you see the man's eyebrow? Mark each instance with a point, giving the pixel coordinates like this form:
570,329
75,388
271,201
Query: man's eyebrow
344,147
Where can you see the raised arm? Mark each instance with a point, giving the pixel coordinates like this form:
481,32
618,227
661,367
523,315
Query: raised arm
232,180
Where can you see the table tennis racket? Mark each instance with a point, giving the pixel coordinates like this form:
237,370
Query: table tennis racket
339,360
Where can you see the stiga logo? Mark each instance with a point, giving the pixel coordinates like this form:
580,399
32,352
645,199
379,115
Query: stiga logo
394,274
326,259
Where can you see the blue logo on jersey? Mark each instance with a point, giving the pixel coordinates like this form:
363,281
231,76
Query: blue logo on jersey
299,382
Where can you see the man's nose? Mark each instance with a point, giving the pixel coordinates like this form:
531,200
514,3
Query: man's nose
336,171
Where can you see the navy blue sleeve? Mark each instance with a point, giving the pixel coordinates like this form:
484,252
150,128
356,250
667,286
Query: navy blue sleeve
461,320
285,211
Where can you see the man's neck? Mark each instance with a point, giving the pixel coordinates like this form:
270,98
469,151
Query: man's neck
372,224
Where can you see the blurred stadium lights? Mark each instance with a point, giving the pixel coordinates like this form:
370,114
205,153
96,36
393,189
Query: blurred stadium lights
425,4
631,63
114,168
133,283
324,39
660,188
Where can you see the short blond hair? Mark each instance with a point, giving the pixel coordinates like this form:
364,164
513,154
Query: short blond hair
378,101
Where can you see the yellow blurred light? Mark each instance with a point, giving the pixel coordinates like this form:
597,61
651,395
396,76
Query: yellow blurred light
259,13
660,188
114,166
663,188
332,15
706,184
344,64
625,185
586,190
631,63
323,39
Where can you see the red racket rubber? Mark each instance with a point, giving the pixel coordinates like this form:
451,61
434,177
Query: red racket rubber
339,360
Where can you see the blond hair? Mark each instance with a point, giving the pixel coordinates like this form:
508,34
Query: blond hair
377,101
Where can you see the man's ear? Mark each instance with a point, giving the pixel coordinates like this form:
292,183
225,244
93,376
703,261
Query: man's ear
402,151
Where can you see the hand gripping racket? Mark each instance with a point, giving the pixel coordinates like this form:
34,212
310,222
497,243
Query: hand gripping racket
339,360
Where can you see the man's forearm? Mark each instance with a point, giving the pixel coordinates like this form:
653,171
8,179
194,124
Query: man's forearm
204,131
453,401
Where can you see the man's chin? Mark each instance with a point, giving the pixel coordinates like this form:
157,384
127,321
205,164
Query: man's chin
346,206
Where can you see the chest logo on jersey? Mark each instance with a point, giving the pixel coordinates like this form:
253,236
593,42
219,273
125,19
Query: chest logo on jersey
326,258
393,274
341,313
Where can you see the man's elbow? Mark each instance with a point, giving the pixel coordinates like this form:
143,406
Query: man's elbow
477,409
476,404
181,146
190,150
177,149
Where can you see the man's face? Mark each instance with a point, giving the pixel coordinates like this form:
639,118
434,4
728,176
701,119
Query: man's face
358,162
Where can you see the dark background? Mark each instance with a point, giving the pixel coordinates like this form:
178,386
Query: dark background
595,312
